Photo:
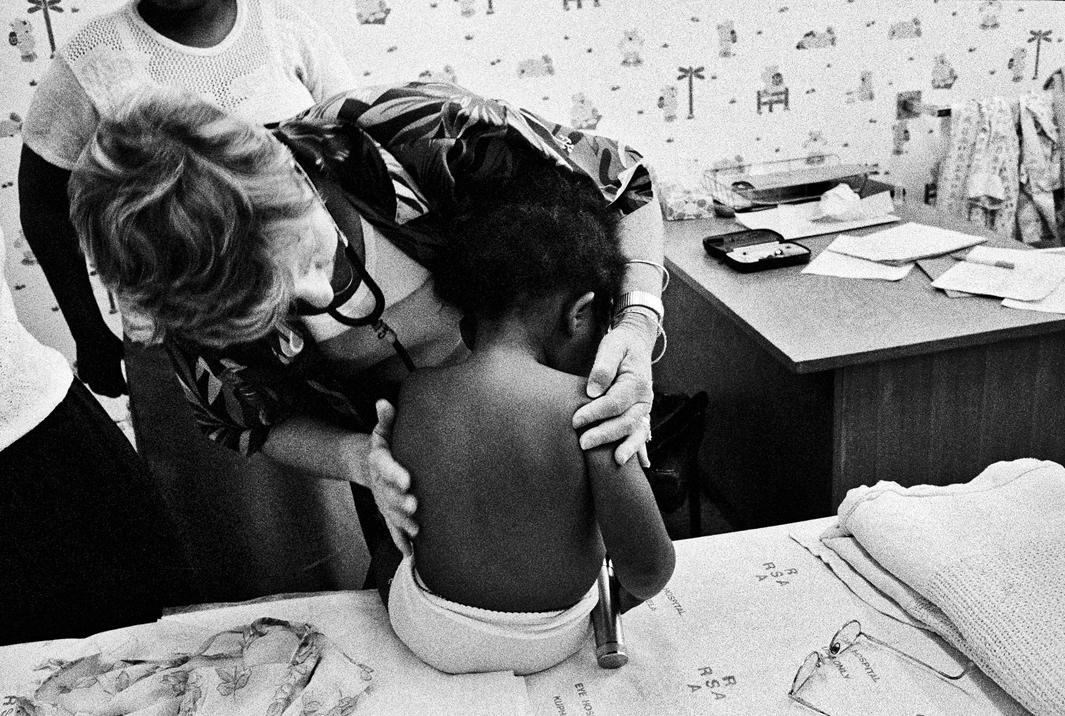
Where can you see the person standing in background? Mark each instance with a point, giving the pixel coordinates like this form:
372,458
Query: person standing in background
66,572
249,527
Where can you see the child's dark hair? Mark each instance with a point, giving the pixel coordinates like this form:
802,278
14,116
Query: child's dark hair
546,231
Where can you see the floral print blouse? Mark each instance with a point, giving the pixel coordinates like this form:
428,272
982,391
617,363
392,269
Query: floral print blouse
398,157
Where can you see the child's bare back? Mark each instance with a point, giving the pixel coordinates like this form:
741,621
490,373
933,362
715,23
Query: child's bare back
514,517
505,505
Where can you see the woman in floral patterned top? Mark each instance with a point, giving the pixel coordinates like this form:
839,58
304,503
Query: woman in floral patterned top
288,272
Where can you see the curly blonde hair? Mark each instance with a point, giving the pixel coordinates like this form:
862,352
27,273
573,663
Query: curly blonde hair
174,202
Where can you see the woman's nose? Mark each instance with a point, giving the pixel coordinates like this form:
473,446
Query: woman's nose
315,289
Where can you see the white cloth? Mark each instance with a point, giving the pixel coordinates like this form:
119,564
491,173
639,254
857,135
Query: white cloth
274,63
460,639
34,378
981,563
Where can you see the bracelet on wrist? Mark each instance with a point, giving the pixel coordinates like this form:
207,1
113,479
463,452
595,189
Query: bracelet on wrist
643,299
653,317
661,267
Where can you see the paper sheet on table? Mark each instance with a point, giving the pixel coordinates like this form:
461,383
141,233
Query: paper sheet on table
794,221
1054,303
1034,277
810,538
714,642
937,266
904,244
829,263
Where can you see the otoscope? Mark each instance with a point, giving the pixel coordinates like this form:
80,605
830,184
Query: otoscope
606,622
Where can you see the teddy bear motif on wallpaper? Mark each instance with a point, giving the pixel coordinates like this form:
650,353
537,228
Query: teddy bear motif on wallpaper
21,36
630,45
371,12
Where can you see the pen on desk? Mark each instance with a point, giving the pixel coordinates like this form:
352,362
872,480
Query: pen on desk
987,262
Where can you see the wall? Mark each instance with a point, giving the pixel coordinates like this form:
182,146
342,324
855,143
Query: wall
680,79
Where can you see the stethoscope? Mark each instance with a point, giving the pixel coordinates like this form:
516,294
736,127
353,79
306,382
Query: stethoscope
374,318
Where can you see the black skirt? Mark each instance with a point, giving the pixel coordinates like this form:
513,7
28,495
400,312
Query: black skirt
85,544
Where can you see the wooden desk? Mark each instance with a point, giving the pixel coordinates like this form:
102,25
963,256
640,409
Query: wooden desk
815,376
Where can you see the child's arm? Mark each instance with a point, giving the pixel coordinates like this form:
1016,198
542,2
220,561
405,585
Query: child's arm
631,525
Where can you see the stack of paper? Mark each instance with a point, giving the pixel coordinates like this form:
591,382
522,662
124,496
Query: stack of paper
830,263
1055,302
904,244
888,255
1013,274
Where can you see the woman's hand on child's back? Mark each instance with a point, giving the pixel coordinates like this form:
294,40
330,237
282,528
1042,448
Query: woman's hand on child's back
620,383
390,482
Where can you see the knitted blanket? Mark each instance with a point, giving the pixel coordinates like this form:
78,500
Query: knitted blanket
981,563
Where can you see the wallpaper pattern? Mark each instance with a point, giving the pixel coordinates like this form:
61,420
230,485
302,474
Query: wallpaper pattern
692,83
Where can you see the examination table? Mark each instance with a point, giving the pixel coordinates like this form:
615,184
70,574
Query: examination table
741,613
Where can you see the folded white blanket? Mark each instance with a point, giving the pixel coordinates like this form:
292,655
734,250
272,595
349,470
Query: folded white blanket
982,563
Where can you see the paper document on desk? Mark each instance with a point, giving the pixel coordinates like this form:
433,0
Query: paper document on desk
936,267
829,263
1054,303
1006,273
904,244
794,221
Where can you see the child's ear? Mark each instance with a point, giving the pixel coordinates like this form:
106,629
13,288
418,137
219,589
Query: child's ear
579,316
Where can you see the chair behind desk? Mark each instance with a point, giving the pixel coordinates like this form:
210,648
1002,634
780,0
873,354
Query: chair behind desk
677,425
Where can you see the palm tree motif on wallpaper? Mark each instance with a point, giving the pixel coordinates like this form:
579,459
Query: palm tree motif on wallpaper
1038,37
46,7
691,74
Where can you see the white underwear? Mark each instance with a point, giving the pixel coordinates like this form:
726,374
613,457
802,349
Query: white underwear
458,639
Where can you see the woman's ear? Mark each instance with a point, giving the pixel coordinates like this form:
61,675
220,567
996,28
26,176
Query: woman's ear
579,316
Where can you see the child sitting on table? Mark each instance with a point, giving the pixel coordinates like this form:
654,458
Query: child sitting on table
515,519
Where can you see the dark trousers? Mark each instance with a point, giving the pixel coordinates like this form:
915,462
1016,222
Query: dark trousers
85,545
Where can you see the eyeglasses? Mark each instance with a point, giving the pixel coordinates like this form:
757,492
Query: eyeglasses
844,639
347,268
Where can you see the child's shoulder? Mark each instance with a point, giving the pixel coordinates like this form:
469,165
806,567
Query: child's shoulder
565,390
425,385
532,386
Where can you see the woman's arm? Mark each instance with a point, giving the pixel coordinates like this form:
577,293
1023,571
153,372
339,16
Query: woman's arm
239,414
338,454
620,380
45,212
323,69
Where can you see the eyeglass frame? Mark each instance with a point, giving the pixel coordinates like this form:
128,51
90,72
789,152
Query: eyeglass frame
837,647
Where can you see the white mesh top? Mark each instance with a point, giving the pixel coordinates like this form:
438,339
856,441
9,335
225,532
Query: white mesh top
34,379
274,63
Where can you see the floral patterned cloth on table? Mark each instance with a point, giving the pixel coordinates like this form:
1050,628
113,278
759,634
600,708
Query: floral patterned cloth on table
269,667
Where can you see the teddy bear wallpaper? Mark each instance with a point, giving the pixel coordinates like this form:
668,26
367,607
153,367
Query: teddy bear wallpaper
693,84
